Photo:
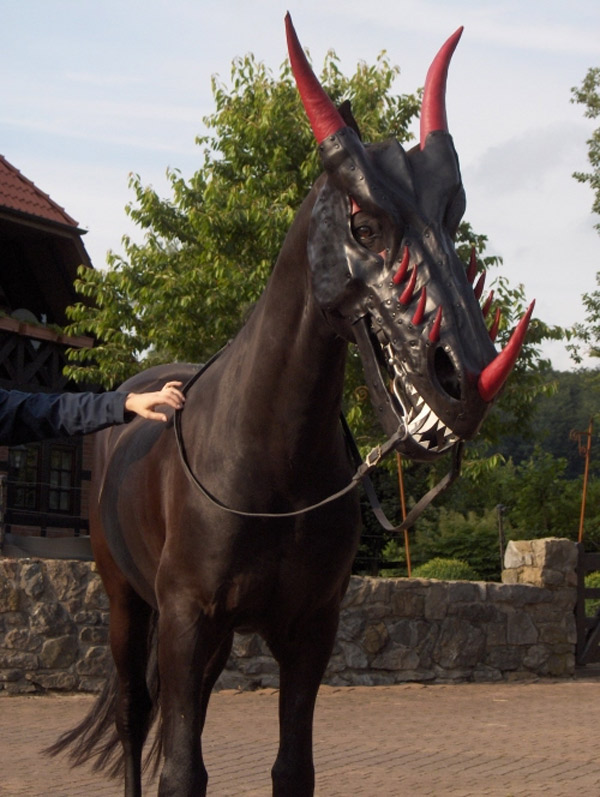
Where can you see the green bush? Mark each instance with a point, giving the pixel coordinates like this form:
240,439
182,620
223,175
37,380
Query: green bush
446,570
393,552
592,580
471,538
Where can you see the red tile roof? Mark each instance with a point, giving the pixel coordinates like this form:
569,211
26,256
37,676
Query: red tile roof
19,193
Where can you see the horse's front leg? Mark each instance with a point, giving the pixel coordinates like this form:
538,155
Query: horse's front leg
190,650
302,660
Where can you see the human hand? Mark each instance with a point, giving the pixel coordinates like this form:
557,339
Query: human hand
143,404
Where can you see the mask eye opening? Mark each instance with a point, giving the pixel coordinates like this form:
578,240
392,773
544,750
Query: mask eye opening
446,374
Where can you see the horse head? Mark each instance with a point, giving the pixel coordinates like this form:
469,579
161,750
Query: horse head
386,273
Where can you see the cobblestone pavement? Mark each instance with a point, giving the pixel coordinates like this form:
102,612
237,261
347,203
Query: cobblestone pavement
468,740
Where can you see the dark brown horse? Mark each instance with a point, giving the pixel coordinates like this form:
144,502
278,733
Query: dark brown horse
369,258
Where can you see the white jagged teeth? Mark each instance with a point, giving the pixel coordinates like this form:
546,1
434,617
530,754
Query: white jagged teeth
423,443
431,424
424,413
421,419
416,423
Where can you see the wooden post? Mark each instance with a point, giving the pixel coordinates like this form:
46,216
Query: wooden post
500,509
585,452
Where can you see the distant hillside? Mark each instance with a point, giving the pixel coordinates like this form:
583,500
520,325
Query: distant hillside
576,399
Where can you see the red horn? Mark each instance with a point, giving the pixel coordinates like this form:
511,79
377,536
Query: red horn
407,293
417,319
433,107
322,113
472,270
494,375
403,268
495,325
434,335
478,289
487,304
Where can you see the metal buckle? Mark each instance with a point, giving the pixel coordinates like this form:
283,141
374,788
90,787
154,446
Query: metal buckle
378,452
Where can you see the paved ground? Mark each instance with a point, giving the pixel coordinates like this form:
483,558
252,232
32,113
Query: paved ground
503,740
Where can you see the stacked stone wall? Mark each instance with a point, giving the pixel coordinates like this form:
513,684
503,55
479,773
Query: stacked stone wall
54,627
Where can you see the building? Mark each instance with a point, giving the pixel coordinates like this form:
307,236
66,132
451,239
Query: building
44,484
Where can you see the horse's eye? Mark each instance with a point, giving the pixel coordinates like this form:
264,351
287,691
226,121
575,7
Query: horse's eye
367,230
364,231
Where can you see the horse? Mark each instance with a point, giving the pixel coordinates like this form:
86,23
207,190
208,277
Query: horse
238,516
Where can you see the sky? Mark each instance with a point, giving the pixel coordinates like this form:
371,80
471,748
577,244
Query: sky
95,91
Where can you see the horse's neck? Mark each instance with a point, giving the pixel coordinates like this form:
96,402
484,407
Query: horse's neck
282,376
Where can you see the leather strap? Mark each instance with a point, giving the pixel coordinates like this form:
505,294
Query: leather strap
422,503
363,468
378,390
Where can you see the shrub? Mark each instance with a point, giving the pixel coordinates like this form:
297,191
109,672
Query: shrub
446,570
470,538
592,580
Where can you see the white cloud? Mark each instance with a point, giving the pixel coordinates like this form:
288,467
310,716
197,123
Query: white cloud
528,160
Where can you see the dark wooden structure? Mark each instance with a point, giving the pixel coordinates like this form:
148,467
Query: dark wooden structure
41,245
588,627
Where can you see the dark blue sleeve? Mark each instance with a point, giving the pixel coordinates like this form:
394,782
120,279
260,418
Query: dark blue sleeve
26,417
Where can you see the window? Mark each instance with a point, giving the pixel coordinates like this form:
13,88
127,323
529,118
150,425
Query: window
23,477
61,491
44,477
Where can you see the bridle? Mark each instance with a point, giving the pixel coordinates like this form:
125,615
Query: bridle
361,474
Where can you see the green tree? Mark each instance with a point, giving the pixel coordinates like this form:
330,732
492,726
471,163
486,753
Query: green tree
446,570
573,399
588,95
538,508
208,250
470,538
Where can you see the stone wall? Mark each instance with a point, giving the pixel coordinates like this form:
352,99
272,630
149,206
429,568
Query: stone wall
53,626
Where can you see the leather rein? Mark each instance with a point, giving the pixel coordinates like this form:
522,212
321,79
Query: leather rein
363,468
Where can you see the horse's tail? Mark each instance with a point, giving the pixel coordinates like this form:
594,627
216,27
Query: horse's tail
96,739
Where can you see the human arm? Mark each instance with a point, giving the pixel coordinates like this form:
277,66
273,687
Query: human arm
27,417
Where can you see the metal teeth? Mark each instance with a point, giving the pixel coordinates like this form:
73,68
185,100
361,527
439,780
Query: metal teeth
423,443
421,420
424,420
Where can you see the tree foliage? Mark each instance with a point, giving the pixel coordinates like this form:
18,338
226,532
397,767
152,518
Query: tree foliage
533,485
446,570
470,538
209,248
588,95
